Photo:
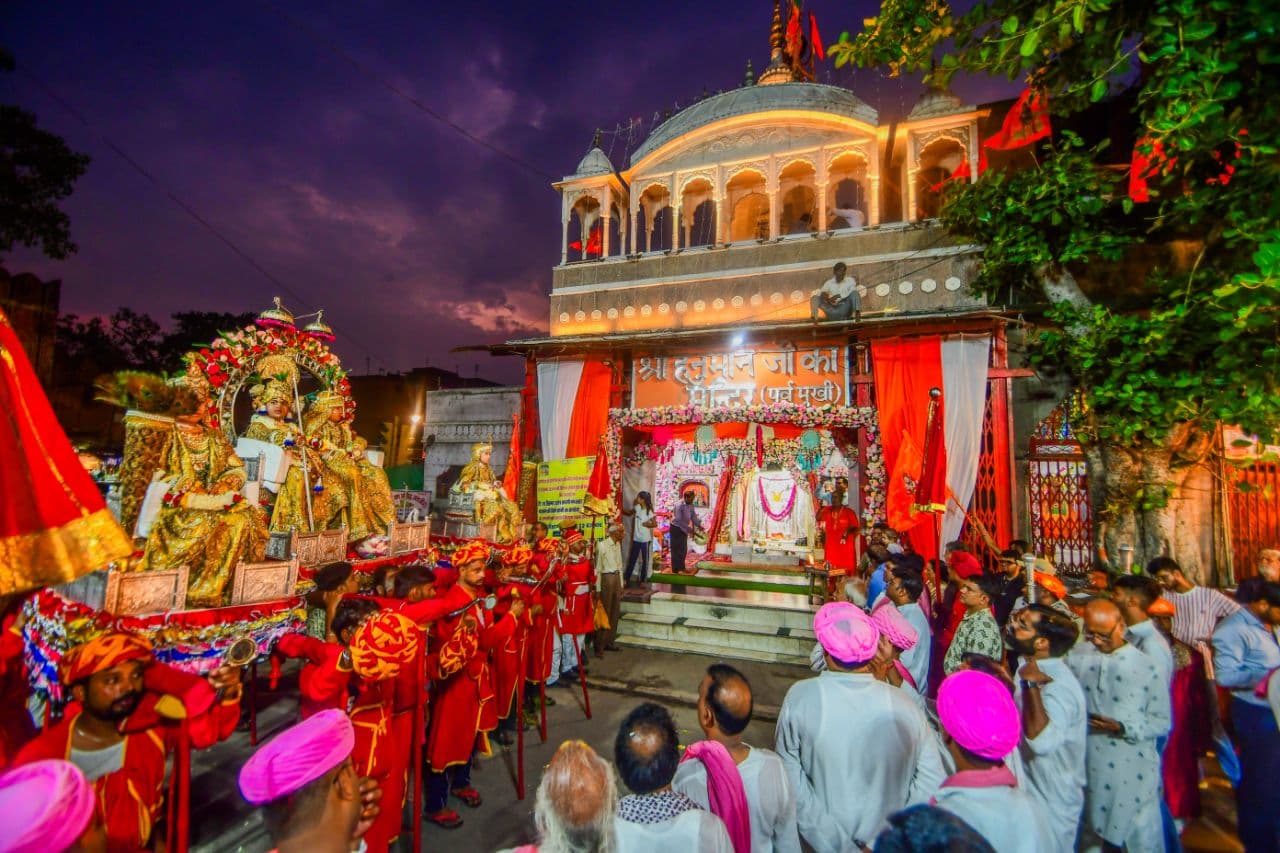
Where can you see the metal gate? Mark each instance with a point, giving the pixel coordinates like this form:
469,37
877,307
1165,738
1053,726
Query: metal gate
991,492
1058,492
1255,514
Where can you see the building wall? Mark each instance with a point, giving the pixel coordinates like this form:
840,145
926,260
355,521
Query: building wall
457,419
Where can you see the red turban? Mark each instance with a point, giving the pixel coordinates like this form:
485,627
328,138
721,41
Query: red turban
1162,607
572,534
548,544
384,645
102,653
519,555
469,552
964,565
1051,583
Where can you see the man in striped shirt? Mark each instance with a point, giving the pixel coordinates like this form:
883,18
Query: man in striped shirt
1199,611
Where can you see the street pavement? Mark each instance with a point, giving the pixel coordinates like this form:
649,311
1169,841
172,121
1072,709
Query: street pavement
222,822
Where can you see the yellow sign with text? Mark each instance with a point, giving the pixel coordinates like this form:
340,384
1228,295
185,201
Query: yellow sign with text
561,487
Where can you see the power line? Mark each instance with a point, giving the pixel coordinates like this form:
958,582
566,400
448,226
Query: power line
341,53
186,208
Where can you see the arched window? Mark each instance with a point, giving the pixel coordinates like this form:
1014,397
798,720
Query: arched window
847,205
616,246
586,240
697,214
749,206
937,161
797,184
653,225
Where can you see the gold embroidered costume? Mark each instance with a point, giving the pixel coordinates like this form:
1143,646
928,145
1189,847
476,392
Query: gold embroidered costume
366,507
491,504
290,511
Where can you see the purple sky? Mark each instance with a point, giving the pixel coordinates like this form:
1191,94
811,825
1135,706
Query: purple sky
413,238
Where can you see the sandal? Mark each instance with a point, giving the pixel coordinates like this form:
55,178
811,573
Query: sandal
469,796
447,819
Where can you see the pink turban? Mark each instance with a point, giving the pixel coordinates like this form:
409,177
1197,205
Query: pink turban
978,711
892,624
846,632
47,805
297,757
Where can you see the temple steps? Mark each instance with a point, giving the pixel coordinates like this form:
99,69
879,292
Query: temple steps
719,628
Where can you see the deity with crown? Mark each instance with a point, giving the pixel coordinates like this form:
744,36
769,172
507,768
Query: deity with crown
367,507
479,486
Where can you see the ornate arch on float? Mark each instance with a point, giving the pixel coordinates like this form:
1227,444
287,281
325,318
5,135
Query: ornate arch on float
233,361
848,417
761,169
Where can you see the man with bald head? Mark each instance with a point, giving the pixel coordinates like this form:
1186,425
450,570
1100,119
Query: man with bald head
1128,704
653,816
724,711
574,807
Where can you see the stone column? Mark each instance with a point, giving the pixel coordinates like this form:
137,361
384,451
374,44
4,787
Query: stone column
631,231
775,215
974,152
722,231
606,226
564,239
873,200
675,226
821,224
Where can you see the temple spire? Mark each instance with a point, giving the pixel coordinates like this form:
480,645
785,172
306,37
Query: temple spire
779,70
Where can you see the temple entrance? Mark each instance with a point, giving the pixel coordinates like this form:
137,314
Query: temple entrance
1058,492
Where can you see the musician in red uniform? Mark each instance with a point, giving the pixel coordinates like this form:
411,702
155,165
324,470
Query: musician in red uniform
577,616
462,703
838,530
508,657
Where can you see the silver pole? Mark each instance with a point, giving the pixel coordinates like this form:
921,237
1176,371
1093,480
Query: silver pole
306,475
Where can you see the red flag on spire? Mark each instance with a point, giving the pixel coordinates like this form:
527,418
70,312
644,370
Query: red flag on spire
511,477
815,38
599,497
1026,121
794,38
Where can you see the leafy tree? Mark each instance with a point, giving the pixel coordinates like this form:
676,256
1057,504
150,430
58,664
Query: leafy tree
37,171
1203,348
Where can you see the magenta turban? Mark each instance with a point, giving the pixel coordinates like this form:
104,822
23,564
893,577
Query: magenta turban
978,711
894,625
297,757
47,806
846,632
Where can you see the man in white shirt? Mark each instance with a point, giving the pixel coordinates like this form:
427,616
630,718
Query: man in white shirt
1134,594
838,299
1055,723
904,588
981,727
655,817
856,749
609,587
724,710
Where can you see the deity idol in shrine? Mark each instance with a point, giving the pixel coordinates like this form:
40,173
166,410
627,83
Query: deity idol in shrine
366,505
773,506
204,524
273,405
491,505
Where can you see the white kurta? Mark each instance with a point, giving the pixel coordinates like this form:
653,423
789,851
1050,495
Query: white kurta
1053,764
856,750
694,831
916,659
769,798
1147,637
1007,816
1122,800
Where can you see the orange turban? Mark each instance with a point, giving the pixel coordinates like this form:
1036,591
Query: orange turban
102,653
548,544
1051,583
519,555
572,534
1162,607
384,645
470,551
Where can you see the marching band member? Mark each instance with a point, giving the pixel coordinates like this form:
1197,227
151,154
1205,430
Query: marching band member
576,616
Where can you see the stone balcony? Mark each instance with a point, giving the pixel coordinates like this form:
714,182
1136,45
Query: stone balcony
898,268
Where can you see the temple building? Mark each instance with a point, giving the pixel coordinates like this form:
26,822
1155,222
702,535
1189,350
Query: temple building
686,339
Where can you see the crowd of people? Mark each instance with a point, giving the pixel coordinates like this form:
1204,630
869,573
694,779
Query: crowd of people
948,712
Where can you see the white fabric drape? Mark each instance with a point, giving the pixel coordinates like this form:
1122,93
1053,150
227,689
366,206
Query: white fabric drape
557,390
635,479
964,389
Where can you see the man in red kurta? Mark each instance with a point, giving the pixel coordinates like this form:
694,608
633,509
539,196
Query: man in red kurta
508,657
577,617
462,701
838,525
114,732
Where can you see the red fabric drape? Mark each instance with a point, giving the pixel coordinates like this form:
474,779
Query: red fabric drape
722,501
590,410
511,478
1026,122
54,524
904,370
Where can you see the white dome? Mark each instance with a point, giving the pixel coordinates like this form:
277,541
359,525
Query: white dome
937,102
595,163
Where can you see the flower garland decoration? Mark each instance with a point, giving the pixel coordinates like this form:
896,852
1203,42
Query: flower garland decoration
194,641
861,418
785,512
230,360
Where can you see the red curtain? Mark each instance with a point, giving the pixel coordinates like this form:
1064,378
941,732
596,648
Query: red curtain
590,410
904,370
722,501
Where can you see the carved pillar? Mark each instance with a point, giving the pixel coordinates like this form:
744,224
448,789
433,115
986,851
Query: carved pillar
873,201
675,225
821,224
564,238
606,226
631,231
722,231
973,152
775,215
911,167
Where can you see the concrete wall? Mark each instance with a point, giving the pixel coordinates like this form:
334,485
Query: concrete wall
460,418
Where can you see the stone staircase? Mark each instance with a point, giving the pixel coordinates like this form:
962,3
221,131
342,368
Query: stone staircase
724,628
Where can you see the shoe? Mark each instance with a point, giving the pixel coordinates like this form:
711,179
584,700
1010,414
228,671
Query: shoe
448,819
551,700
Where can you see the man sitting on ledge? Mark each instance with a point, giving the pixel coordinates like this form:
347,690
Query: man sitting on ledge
838,299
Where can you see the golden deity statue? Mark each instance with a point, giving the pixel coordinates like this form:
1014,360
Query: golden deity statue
366,507
273,404
204,523
491,504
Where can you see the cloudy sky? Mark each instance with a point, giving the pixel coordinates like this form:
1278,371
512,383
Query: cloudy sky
275,121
